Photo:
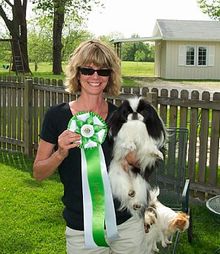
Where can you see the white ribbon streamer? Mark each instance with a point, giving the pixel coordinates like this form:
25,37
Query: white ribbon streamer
110,218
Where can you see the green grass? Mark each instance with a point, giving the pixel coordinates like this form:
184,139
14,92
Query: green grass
129,69
135,69
31,214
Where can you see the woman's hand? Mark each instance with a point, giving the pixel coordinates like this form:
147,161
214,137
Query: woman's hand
66,141
130,160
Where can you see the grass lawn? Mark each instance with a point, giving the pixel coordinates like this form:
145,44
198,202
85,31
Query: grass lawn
31,214
136,69
129,69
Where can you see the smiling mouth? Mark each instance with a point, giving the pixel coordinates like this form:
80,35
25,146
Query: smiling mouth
94,84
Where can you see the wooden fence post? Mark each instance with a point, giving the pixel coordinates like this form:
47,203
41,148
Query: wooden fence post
28,86
151,97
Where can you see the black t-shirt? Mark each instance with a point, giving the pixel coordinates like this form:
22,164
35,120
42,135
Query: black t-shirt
55,122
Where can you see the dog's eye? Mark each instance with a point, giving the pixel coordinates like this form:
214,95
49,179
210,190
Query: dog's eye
126,111
144,113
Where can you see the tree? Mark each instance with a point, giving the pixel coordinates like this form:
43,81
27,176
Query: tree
14,16
210,7
58,10
40,41
139,56
71,40
137,51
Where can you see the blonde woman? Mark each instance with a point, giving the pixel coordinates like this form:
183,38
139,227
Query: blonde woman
93,69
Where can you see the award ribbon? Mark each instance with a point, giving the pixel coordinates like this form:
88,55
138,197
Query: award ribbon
98,206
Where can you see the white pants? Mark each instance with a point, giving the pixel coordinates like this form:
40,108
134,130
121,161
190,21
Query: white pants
131,240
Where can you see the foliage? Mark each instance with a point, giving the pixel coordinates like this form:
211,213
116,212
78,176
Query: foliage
5,51
75,9
72,40
40,40
137,51
63,12
210,7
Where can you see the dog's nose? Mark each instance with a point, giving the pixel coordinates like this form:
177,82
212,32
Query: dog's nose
134,116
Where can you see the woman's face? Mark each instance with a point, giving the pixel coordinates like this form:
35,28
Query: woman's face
93,83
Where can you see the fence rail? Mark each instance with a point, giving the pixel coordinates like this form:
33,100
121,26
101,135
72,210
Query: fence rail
24,102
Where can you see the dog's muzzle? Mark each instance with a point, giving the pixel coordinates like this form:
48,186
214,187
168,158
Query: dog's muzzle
135,116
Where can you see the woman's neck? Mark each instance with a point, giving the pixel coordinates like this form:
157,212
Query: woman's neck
93,103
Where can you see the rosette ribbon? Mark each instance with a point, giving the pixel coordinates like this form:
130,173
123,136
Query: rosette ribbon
98,206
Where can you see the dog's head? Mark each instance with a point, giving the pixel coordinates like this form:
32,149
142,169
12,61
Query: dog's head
150,218
180,222
138,109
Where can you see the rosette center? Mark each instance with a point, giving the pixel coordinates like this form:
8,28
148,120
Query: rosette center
87,130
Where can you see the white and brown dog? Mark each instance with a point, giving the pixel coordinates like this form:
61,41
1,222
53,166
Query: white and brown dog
162,223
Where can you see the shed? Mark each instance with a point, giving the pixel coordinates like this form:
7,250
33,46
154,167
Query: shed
185,49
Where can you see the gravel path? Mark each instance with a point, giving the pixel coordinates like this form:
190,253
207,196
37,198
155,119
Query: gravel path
201,86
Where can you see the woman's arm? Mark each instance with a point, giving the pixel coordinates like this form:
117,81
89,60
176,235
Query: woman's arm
47,160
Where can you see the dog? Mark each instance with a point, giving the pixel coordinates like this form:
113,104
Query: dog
165,222
134,127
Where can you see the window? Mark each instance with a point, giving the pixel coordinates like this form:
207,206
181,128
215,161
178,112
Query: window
190,55
202,56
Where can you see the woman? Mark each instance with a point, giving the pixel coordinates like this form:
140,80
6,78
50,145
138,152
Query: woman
93,70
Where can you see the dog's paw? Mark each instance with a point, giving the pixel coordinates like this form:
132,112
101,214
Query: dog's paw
129,146
157,154
137,206
164,244
131,193
168,242
155,249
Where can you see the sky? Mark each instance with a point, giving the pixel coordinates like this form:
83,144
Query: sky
130,17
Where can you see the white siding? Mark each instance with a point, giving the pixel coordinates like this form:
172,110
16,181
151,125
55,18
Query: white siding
182,55
157,59
175,69
211,57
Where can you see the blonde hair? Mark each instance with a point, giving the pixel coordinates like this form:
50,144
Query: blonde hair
97,53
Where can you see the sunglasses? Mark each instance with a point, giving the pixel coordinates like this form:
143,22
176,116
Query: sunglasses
90,71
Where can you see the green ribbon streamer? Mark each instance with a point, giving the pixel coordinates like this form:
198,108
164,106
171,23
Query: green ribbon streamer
97,194
90,143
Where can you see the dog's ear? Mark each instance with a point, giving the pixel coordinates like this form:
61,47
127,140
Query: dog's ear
179,222
154,123
118,118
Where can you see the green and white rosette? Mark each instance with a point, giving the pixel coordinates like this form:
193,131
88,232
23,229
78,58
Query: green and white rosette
98,203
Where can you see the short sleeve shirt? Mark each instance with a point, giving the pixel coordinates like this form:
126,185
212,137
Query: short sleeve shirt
55,122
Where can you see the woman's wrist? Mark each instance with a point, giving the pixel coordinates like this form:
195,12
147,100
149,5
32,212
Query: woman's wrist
59,155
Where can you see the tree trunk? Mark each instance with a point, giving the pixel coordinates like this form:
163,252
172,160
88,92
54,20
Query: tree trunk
18,31
57,36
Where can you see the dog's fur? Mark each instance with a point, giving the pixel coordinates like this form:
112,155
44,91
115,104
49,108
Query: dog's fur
135,126
164,224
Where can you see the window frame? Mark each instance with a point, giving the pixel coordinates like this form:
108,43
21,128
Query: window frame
194,57
209,55
206,56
